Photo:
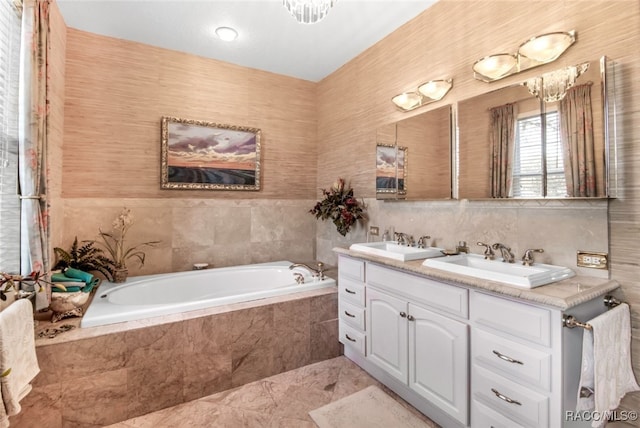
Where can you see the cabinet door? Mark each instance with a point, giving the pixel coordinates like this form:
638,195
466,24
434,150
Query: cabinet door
387,333
438,355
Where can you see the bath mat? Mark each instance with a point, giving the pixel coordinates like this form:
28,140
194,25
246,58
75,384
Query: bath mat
369,408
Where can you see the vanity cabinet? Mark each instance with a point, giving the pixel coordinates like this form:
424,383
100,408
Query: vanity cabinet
463,356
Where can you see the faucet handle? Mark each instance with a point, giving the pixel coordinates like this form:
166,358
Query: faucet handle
320,266
422,241
527,258
488,252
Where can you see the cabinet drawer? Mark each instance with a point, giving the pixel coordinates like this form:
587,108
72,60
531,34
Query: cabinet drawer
527,407
514,360
351,291
351,268
519,319
351,314
484,417
349,336
448,298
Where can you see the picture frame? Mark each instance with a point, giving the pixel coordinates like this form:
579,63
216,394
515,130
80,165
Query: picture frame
202,155
391,169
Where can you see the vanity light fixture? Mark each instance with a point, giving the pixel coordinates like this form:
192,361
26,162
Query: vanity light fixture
309,11
226,34
428,92
536,51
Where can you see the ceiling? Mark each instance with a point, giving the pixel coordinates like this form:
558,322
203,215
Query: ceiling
269,38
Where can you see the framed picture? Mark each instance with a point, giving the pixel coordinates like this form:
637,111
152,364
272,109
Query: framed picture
391,169
211,156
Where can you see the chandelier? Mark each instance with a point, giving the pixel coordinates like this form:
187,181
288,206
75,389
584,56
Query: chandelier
309,11
553,86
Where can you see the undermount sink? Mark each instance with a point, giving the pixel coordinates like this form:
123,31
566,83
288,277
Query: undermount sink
514,274
394,251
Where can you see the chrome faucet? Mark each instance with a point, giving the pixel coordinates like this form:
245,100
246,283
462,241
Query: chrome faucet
507,255
316,273
403,239
488,252
422,241
527,258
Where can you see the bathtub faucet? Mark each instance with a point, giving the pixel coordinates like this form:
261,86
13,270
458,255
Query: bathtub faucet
316,273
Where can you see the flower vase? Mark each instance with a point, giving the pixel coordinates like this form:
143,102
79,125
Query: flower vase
120,274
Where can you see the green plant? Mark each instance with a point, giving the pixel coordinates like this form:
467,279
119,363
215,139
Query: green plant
339,205
86,257
9,281
114,243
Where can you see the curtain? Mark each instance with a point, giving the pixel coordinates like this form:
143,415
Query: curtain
32,141
503,138
576,128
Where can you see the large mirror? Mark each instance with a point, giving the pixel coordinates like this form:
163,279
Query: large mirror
543,138
413,157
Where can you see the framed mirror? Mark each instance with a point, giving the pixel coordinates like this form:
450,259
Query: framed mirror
542,138
424,141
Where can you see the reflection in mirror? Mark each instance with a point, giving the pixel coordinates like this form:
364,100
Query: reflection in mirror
514,144
427,137
391,171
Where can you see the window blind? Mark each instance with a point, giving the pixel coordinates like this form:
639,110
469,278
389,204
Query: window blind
528,173
9,78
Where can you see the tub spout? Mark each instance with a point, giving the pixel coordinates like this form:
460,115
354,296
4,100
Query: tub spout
316,273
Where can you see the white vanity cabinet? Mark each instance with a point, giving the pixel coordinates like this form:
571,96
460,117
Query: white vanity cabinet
463,356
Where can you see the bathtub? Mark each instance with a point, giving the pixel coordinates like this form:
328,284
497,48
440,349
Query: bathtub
163,294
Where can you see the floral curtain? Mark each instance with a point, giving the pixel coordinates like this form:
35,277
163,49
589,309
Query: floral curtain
34,109
576,127
503,138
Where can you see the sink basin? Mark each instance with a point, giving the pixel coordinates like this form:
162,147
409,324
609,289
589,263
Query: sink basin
397,252
514,274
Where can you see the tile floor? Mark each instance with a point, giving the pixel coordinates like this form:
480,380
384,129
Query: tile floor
279,401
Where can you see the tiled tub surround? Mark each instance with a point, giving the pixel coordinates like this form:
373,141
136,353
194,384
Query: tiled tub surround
101,375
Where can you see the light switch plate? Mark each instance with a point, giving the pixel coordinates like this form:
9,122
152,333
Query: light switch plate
590,259
374,230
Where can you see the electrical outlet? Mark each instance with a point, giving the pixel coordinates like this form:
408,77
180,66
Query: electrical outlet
374,230
593,260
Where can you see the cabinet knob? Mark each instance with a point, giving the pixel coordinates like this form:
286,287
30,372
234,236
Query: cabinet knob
403,314
410,317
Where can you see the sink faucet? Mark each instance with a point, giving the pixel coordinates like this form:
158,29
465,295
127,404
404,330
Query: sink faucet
316,273
527,258
403,239
488,252
507,255
422,241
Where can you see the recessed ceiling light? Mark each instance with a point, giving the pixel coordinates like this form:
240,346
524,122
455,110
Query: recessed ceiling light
227,34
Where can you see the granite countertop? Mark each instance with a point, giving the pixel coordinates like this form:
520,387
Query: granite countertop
563,294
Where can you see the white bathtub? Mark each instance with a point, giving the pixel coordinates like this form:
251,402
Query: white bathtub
154,295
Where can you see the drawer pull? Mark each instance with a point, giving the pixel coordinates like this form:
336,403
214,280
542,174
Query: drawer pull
353,340
505,398
403,314
349,315
349,291
506,358
410,318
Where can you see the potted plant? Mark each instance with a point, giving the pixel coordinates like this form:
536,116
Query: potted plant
114,244
87,258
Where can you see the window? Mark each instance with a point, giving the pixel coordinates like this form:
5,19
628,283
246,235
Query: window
529,170
9,77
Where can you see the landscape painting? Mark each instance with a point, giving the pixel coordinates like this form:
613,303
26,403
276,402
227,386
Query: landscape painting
206,155
391,169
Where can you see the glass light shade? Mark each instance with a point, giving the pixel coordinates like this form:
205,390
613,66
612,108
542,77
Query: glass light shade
227,34
547,47
435,89
407,100
496,66
309,11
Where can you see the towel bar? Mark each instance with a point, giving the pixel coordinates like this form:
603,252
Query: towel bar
570,321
